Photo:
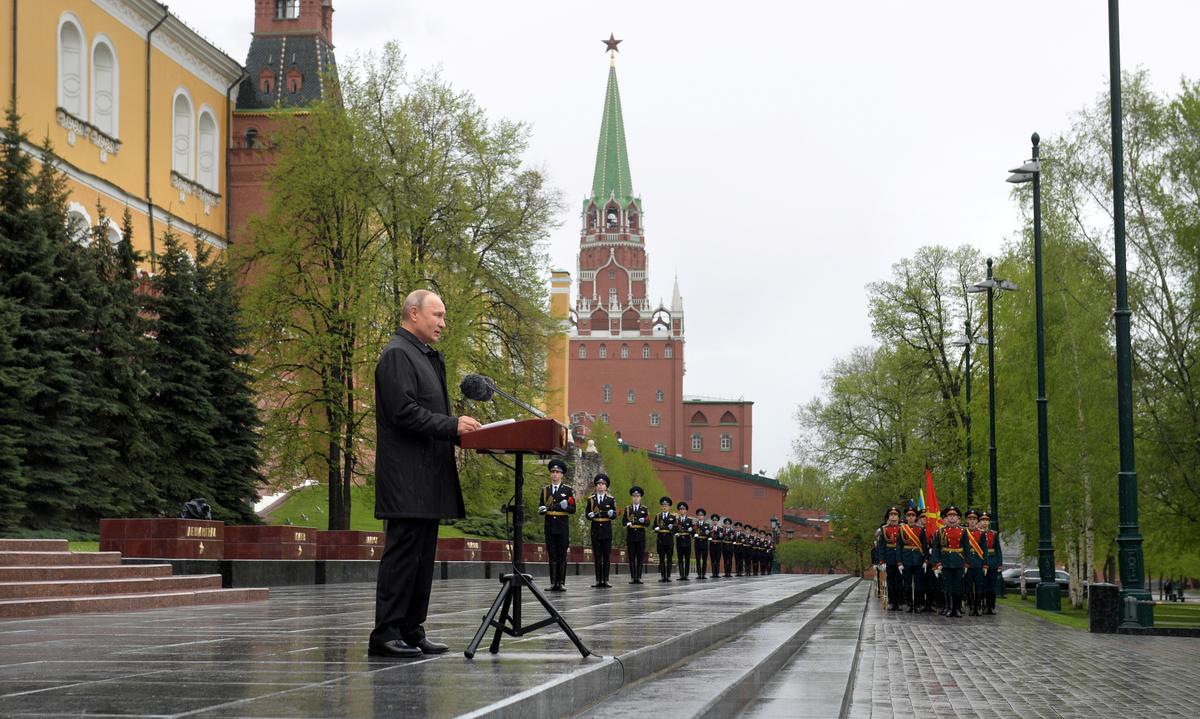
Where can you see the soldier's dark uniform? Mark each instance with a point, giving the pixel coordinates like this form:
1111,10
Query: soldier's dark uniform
948,560
703,534
636,517
685,528
601,510
557,503
715,541
975,558
728,546
912,559
664,528
889,557
993,562
755,552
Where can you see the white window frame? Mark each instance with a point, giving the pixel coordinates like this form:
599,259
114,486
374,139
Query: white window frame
659,395
115,111
84,235
79,110
630,396
582,351
645,351
186,154
608,393
668,352
655,419
726,442
603,352
697,442
210,181
624,351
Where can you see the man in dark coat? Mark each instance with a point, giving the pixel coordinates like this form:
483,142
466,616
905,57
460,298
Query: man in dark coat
415,473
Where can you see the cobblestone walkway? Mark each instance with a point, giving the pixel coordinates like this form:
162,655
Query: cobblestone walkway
1017,665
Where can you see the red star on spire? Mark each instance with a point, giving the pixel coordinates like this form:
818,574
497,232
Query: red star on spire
611,43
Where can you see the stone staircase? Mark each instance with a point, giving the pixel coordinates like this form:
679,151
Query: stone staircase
40,577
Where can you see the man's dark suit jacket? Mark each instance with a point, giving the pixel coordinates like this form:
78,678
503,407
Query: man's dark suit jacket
415,472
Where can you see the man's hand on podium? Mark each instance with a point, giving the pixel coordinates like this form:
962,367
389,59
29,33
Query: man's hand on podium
467,424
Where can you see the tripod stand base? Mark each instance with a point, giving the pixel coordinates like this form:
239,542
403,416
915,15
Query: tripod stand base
505,616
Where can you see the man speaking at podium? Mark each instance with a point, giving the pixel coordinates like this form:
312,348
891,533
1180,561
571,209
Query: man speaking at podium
415,474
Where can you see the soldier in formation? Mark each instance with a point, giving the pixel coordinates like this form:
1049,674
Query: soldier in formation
664,528
601,510
557,504
636,517
703,535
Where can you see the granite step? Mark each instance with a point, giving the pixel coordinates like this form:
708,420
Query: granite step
596,680
26,608
94,587
97,571
34,545
719,681
818,681
33,558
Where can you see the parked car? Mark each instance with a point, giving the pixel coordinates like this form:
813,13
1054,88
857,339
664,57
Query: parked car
1012,579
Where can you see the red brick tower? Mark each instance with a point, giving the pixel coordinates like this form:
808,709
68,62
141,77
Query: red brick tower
288,68
626,354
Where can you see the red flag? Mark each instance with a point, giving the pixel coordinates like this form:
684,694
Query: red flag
933,516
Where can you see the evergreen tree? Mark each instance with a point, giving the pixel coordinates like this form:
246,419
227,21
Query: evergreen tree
189,460
234,487
14,390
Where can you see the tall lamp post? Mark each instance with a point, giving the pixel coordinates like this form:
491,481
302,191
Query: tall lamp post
774,545
1136,607
1048,597
989,286
965,342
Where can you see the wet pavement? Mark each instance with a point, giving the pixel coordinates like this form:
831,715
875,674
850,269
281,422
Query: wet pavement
303,652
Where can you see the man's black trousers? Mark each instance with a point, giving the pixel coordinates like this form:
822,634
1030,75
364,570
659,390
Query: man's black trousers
405,580
556,547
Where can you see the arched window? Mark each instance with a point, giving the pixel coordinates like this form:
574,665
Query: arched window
645,351
728,418
608,393
667,352
295,80
113,234
699,418
105,77
603,352
266,81
206,150
582,351
71,76
181,136
79,224
624,351
697,443
726,442
630,396
659,395
655,419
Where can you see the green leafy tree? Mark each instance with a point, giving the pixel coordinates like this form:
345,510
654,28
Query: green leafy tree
808,485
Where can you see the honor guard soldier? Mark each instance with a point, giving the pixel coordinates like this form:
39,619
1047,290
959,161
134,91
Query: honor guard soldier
877,559
727,546
664,528
601,509
926,589
753,551
740,540
703,534
557,503
912,558
889,558
685,529
975,560
991,565
716,538
636,517
948,560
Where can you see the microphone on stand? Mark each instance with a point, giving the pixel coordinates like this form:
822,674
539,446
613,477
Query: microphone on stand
481,388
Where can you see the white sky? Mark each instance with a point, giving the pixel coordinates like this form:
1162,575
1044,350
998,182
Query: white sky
787,153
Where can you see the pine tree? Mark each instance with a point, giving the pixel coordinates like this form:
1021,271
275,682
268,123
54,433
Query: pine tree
14,390
189,460
235,484
33,237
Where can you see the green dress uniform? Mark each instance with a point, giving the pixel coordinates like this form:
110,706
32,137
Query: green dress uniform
664,529
636,519
888,551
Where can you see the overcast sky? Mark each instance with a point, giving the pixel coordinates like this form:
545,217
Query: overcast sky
787,153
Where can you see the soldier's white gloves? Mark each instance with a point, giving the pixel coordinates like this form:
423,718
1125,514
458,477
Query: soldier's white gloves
629,524
938,572
542,509
563,504
882,567
591,515
671,527
985,570
612,513
901,567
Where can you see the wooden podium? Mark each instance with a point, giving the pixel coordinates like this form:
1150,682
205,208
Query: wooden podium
531,436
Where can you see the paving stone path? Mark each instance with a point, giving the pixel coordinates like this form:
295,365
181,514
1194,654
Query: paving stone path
1017,665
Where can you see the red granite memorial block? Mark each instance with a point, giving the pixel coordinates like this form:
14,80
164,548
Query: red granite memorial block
270,542
460,549
535,553
163,538
617,556
349,544
496,551
579,554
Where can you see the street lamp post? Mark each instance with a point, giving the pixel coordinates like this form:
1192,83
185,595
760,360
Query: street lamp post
1048,596
1136,608
775,545
965,342
989,285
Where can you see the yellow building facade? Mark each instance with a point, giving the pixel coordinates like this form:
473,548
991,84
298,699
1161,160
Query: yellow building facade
137,107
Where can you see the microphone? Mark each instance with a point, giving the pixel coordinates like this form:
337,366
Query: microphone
476,387
481,388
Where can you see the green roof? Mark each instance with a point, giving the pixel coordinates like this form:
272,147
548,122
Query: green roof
712,468
611,179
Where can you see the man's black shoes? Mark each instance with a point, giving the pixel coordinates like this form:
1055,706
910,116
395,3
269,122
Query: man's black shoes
395,649
428,647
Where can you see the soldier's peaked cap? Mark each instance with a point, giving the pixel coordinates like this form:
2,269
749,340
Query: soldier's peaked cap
727,520
557,464
950,508
891,509
602,477
736,524
700,510
984,515
637,490
715,516
664,500
681,505
973,513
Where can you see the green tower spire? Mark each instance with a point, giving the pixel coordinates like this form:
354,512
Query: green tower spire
611,178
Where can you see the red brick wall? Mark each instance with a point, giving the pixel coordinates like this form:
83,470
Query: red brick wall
312,18
744,501
739,429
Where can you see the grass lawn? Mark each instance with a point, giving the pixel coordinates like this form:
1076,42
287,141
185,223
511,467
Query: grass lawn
84,546
1176,614
308,507
1069,616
